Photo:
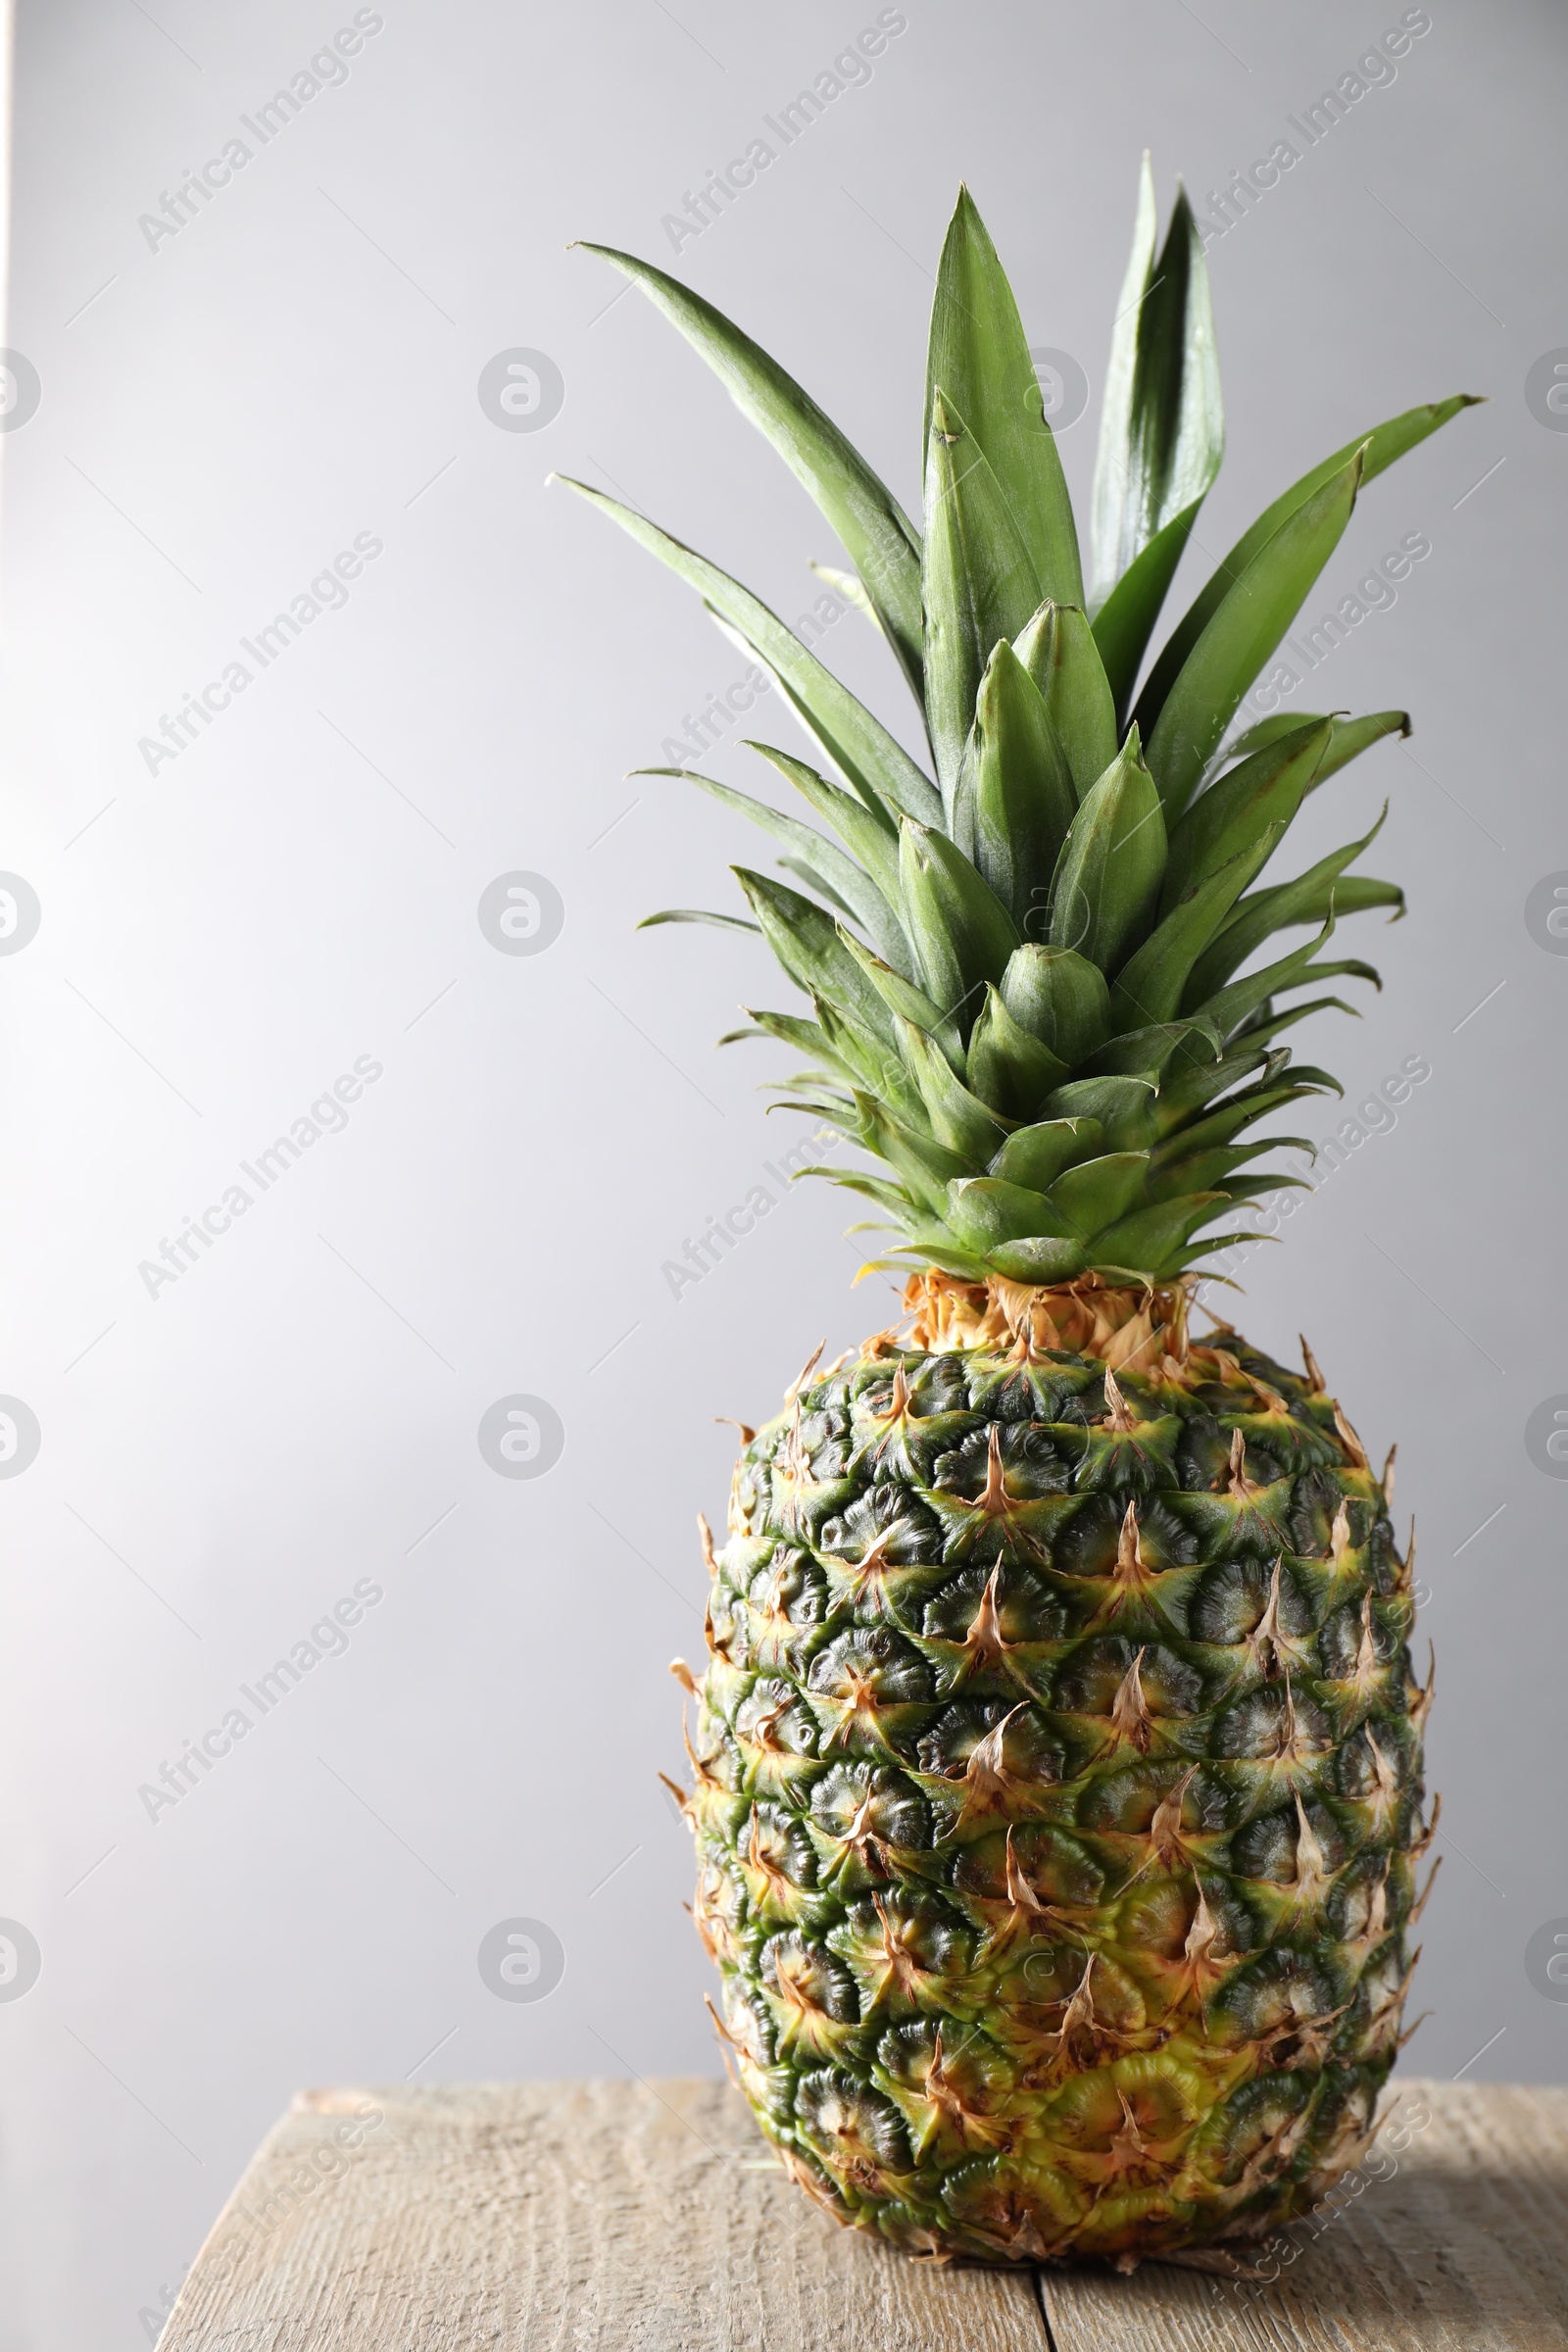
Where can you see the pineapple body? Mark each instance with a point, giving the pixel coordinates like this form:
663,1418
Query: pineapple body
1058,1780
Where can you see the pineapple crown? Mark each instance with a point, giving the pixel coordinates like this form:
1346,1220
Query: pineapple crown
1026,967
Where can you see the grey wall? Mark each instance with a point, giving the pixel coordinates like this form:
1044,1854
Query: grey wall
222,412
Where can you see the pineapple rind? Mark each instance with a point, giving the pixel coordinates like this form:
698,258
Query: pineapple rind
1058,1782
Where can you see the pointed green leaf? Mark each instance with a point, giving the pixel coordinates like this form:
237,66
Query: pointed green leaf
1227,1006
1035,1156
902,997
1378,449
979,355
1144,1052
695,914
1097,1191
985,1214
1008,1069
924,1166
874,843
1259,793
1149,988
808,944
1349,894
1248,624
883,544
959,1120
1266,912
1125,621
1108,880
844,880
1059,650
1123,1107
1351,737
858,743
1144,1243
962,933
1016,798
1059,996
1162,426
806,1037
979,584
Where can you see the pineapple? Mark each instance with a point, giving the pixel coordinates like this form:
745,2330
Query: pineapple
1057,1757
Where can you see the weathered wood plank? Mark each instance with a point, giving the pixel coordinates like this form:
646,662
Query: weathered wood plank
592,2217
1460,2246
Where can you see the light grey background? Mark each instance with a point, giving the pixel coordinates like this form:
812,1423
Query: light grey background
221,1463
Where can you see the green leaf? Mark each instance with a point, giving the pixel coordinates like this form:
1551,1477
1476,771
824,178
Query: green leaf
883,544
1039,1262
873,1064
1107,879
846,881
1205,1171
959,1120
1008,1069
1266,912
1248,624
1240,1111
1016,798
1188,1088
1059,996
1125,621
1123,1107
1059,650
1142,1242
822,891
962,933
806,1037
1258,795
1351,737
873,841
923,1165
1097,1191
985,1214
978,583
1378,449
808,945
1350,894
979,355
1162,426
1227,1006
1149,988
902,997
1144,1052
872,761
695,914
1035,1156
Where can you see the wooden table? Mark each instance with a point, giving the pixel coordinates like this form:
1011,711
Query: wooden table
495,2216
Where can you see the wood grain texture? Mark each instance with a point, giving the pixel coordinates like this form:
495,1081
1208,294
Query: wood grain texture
1455,2241
592,2217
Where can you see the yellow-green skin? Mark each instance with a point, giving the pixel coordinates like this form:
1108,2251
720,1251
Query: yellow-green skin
1057,1855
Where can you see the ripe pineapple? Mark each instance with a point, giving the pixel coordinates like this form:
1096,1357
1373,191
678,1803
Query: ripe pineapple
1058,1756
